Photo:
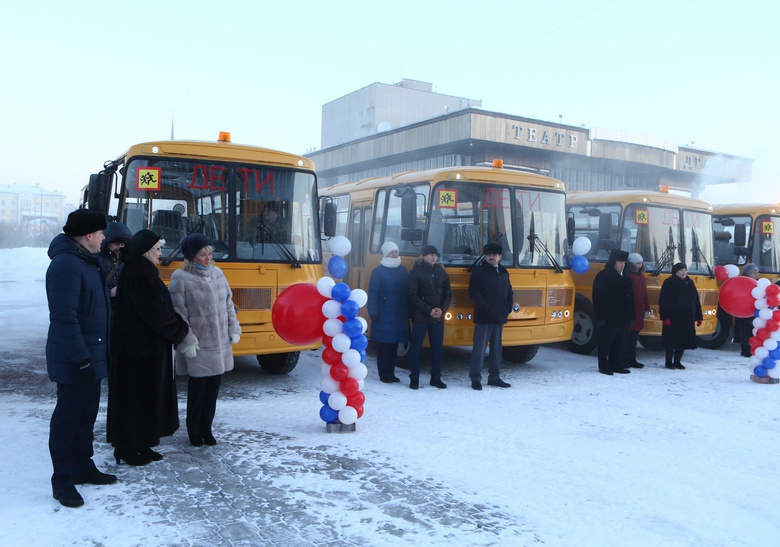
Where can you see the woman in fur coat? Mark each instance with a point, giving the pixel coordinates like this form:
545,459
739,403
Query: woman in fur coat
680,311
202,296
142,404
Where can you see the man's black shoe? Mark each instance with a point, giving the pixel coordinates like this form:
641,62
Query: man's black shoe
68,496
476,385
391,380
622,371
436,382
637,364
679,366
414,384
498,383
607,372
95,477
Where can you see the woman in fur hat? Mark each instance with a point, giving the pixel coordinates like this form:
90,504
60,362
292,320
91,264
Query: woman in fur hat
202,296
680,311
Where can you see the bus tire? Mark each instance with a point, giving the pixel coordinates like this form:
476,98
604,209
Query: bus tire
584,335
652,343
722,335
279,363
519,354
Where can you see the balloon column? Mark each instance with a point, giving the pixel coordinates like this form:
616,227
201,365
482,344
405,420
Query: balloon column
745,297
345,344
580,247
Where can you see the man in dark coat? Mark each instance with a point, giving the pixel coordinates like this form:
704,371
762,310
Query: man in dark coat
680,311
116,235
613,303
142,403
429,294
491,292
76,352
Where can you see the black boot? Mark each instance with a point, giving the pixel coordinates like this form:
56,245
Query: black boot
151,454
131,456
68,496
196,439
208,439
436,382
95,477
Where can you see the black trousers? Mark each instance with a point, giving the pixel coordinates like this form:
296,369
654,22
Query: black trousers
71,432
611,340
629,348
202,403
386,355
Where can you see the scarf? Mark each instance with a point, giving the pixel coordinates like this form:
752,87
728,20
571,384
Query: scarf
388,262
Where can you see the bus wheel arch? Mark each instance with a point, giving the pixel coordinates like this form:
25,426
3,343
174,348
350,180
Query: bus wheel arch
279,363
519,354
651,343
584,336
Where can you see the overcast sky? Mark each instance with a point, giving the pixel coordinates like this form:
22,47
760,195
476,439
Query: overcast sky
84,80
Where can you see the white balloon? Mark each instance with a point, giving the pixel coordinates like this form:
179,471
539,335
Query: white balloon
351,357
347,415
364,323
325,285
763,283
581,246
332,327
774,372
337,400
361,384
340,245
765,314
754,361
759,323
758,292
325,369
760,303
770,344
732,269
761,352
358,372
359,296
331,309
329,385
341,342
775,335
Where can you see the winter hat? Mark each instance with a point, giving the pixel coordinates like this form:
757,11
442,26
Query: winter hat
388,247
82,222
618,255
635,258
679,266
749,268
141,242
192,244
116,232
429,250
492,249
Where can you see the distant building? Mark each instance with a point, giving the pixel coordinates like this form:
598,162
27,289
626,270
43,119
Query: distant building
30,215
385,129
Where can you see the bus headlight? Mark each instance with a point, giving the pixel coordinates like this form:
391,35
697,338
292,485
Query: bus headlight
516,308
460,316
447,316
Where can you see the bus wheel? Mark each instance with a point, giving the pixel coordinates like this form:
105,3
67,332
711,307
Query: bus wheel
519,354
722,335
279,363
652,343
403,349
583,335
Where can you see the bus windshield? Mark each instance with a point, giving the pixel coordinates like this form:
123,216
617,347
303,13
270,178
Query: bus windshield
526,222
250,212
766,246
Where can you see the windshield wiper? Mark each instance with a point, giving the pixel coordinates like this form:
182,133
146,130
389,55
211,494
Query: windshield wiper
535,241
697,254
281,246
667,258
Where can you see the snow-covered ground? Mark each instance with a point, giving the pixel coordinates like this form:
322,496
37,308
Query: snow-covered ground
566,456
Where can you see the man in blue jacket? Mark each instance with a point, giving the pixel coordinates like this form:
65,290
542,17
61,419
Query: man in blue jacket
76,352
491,292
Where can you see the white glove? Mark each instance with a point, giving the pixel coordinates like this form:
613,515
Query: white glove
192,352
234,338
647,314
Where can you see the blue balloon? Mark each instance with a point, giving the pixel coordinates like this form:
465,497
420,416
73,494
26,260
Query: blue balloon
768,363
324,397
362,353
759,371
775,353
350,309
337,267
352,327
340,292
359,343
328,415
580,264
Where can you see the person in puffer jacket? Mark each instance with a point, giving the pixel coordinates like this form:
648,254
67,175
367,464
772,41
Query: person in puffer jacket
202,296
116,235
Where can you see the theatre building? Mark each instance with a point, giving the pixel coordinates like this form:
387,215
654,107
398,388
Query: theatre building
384,129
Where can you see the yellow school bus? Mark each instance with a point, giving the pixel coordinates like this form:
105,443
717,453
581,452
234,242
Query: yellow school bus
664,229
743,233
459,210
224,191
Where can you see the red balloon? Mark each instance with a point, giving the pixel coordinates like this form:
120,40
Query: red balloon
331,356
349,386
772,325
297,314
772,290
762,334
735,297
338,372
357,400
755,342
359,411
327,341
721,273
773,300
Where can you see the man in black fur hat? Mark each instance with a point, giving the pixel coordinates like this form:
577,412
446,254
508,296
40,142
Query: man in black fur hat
613,303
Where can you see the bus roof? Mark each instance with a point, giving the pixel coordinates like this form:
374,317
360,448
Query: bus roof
497,175
637,196
749,209
218,150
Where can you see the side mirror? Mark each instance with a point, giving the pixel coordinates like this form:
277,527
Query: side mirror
409,209
570,228
98,192
740,235
329,219
411,234
605,226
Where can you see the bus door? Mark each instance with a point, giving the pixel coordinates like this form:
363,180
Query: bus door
360,223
